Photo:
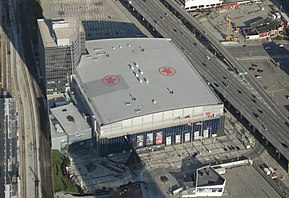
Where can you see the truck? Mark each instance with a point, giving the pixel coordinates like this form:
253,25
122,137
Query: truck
265,168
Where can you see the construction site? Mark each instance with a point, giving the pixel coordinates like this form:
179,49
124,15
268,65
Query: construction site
244,22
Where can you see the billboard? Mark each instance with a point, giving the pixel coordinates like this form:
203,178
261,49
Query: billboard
178,139
139,141
187,137
149,140
197,135
159,138
168,140
206,133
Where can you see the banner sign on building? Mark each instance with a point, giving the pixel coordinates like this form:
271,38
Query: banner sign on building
178,139
168,140
196,135
139,141
206,133
187,137
159,138
149,140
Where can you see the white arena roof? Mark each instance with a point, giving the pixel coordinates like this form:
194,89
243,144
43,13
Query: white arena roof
130,77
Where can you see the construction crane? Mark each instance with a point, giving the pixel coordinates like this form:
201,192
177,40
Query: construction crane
230,37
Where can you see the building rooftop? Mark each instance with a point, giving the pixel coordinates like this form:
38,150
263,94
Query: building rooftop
59,32
67,120
207,176
126,78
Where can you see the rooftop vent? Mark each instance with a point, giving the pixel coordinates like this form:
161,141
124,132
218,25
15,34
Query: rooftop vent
146,80
135,64
64,110
128,45
120,46
154,101
113,47
130,66
137,110
107,55
136,74
139,79
95,59
140,71
127,103
70,118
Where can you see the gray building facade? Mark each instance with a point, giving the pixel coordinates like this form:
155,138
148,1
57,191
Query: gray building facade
61,43
8,147
69,128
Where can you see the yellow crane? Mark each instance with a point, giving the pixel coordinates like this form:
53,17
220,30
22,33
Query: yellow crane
230,37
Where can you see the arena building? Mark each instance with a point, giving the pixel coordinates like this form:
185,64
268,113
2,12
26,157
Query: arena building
143,90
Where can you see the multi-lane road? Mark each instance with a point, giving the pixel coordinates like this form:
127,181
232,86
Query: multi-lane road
243,93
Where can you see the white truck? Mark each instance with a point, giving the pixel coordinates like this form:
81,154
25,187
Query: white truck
265,168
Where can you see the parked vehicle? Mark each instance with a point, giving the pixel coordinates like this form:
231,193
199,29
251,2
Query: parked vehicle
265,168
273,173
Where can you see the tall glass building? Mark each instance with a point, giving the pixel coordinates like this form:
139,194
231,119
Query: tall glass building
61,44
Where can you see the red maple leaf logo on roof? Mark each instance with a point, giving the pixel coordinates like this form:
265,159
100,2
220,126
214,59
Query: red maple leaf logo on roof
167,71
110,80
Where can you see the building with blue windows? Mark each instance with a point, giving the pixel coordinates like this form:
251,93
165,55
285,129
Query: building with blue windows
143,90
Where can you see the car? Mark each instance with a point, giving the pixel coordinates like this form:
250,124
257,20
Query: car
204,64
287,97
254,100
216,84
225,84
251,68
182,33
184,49
254,65
245,45
164,179
239,91
225,78
256,115
238,148
195,44
208,57
258,76
284,145
267,47
260,70
260,110
225,149
281,45
174,29
253,96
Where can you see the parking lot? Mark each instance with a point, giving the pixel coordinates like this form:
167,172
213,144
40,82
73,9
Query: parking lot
101,19
273,78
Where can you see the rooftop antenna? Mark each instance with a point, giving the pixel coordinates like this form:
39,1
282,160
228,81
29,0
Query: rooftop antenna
170,91
133,98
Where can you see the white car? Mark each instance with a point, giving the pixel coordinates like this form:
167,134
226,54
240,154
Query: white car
208,57
281,45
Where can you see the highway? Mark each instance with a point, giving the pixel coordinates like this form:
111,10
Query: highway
243,93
